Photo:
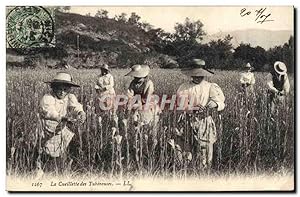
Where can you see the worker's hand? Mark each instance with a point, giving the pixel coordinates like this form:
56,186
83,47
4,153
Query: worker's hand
135,106
81,117
280,93
201,108
275,91
65,119
212,104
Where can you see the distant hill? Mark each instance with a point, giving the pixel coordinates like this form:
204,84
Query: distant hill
101,40
86,41
256,37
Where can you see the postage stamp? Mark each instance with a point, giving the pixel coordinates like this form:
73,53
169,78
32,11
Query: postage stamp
29,27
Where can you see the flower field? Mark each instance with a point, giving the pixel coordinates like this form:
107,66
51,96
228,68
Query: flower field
250,138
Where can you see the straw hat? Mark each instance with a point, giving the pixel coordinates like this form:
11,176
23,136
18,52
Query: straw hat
248,65
198,62
196,69
105,67
280,67
63,78
139,71
197,72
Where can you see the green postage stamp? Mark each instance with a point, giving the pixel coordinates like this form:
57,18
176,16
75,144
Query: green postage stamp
31,26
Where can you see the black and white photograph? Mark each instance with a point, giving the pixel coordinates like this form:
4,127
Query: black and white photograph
150,98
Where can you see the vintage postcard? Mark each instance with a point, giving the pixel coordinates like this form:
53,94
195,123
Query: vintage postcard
153,98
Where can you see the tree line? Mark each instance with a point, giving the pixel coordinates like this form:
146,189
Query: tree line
186,43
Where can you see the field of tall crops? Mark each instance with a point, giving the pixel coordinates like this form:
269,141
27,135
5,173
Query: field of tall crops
250,139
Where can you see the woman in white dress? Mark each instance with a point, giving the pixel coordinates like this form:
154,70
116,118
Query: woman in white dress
105,88
106,95
57,108
203,95
145,112
248,80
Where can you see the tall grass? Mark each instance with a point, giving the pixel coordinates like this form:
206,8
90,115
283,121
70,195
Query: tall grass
249,138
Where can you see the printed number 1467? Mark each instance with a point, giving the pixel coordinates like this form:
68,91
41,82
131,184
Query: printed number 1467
37,184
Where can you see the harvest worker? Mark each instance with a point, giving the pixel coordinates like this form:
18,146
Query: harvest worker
278,84
202,95
247,80
142,87
105,91
57,108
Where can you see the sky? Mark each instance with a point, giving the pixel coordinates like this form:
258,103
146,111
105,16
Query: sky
215,19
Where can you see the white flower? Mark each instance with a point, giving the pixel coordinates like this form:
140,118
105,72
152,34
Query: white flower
12,151
189,156
125,122
172,143
100,120
247,113
118,139
179,132
114,130
178,148
116,119
135,118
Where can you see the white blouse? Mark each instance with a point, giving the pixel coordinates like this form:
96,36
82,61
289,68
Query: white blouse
106,81
202,93
53,109
247,78
286,84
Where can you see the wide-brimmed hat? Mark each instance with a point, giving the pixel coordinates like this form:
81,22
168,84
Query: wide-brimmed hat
197,69
105,67
63,78
198,62
280,67
248,65
197,72
139,71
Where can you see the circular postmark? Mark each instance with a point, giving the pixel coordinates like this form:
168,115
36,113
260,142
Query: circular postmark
29,27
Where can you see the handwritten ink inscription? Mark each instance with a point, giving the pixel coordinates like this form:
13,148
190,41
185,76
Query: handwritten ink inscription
261,15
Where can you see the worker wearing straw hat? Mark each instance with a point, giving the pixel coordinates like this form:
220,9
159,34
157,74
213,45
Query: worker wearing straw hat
57,108
205,95
247,80
142,86
105,87
278,84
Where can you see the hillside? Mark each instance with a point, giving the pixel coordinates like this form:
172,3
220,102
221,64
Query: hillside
99,33
85,41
